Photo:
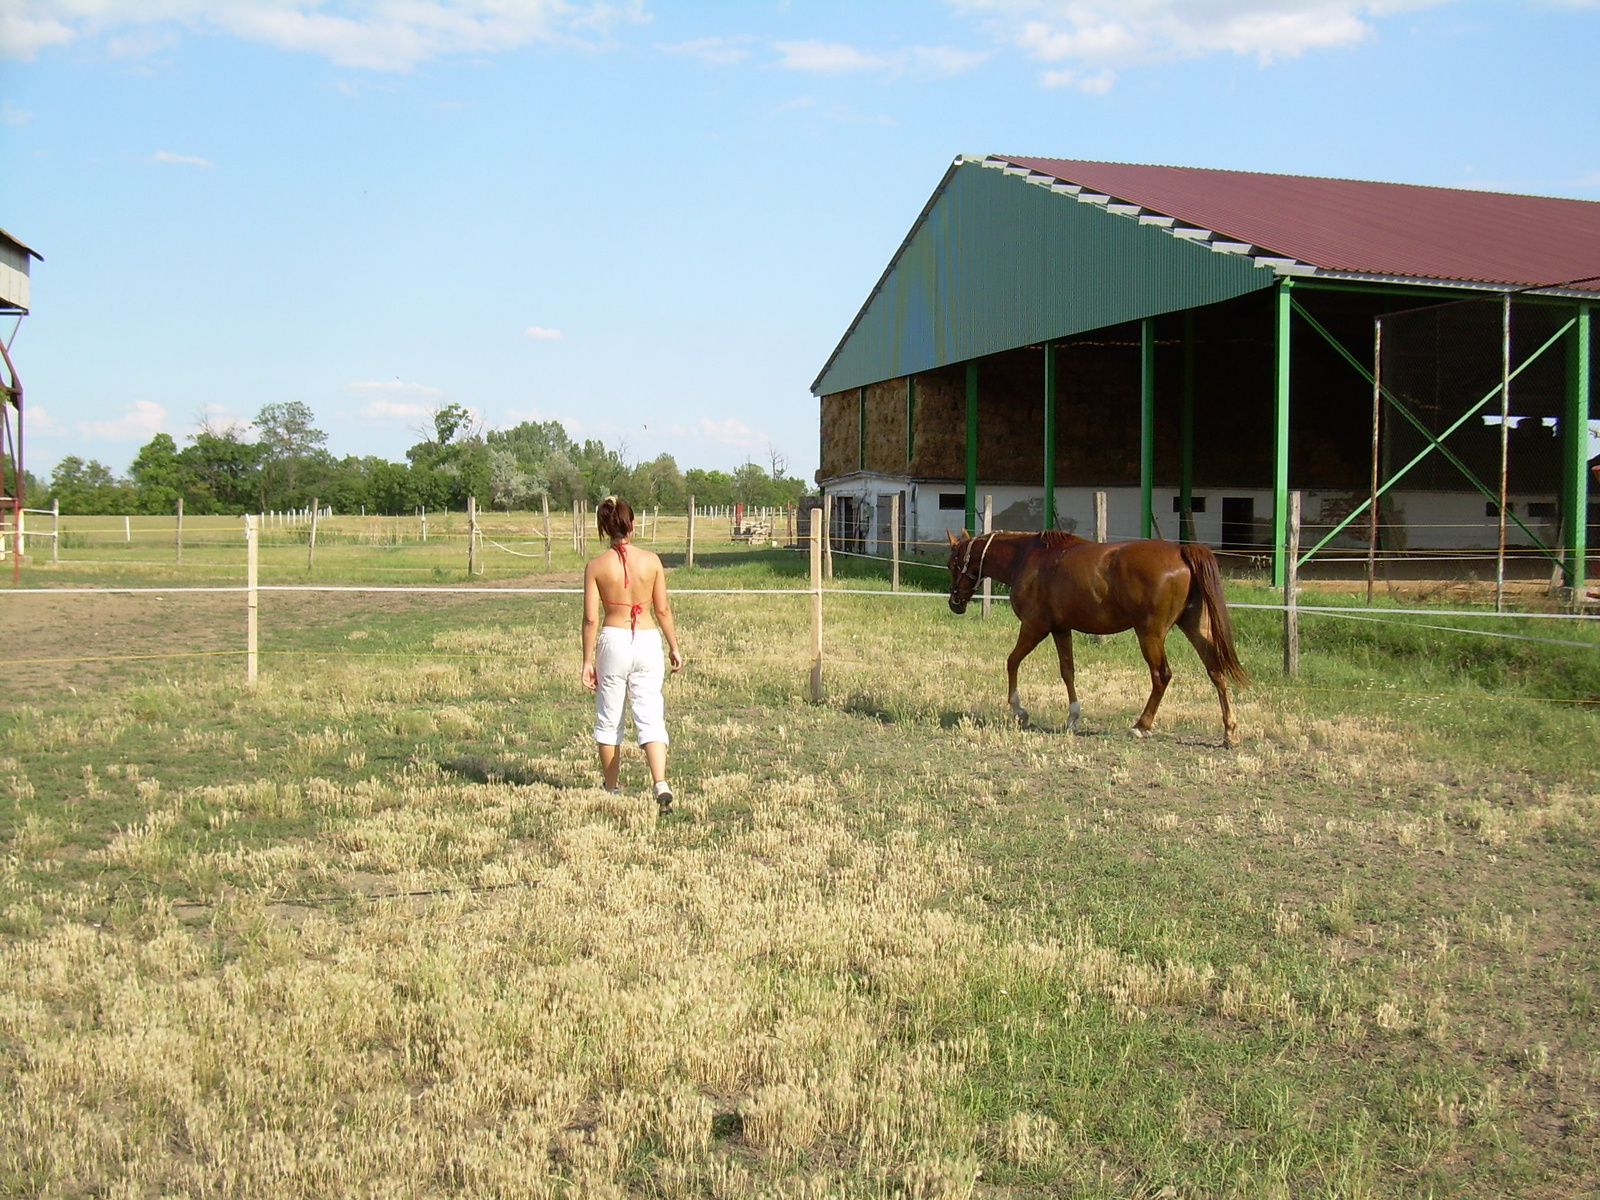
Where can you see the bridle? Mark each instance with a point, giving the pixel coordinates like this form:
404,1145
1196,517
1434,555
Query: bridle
967,574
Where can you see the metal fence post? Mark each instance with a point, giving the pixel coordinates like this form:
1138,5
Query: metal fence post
1291,586
827,535
252,578
818,531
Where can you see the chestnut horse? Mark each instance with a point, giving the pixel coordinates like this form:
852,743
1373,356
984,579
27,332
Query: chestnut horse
1061,582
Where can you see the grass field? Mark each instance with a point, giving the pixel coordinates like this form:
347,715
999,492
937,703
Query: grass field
369,929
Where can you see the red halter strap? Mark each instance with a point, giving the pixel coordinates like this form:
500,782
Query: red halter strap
633,609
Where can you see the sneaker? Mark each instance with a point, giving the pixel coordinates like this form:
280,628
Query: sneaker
663,797
615,791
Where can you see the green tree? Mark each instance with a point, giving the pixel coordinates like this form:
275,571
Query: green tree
88,488
508,483
159,476
287,437
224,470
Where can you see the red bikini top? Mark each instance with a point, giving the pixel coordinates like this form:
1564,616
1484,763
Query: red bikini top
633,609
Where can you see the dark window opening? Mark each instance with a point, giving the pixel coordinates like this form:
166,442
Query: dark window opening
1196,504
953,501
1540,510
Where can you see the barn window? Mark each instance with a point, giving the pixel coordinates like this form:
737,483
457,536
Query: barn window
1196,504
954,501
1541,510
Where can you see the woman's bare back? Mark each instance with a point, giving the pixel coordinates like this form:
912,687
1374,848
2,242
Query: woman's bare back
626,582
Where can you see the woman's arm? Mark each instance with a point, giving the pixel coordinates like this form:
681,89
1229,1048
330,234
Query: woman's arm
663,610
591,625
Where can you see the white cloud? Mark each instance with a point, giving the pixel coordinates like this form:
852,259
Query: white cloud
12,115
540,334
393,385
711,51
1093,38
167,156
1097,84
827,57
382,35
40,423
384,409
731,432
144,418
837,58
396,400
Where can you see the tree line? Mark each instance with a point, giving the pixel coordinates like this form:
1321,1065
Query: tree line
281,462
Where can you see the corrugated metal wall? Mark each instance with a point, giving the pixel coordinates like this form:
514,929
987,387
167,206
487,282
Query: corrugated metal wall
1000,263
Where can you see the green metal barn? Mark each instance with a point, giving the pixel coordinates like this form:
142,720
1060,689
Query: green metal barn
1195,343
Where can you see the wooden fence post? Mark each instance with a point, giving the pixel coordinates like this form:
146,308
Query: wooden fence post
827,535
818,531
251,538
55,528
544,503
655,525
1099,516
127,530
988,527
1291,586
472,535
177,540
424,522
311,536
688,557
894,541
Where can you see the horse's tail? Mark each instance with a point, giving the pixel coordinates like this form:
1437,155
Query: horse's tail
1207,580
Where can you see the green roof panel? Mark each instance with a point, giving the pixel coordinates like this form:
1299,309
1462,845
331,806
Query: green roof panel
996,261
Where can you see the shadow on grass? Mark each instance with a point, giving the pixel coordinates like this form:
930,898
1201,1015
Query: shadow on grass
481,769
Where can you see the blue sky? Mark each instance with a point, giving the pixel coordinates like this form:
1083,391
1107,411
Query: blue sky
651,221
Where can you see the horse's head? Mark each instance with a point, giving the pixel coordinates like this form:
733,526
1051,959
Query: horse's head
963,579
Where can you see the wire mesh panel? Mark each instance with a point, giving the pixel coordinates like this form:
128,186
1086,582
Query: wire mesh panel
1441,369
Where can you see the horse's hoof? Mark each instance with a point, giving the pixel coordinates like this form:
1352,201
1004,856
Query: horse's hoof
1230,739
1138,733
1023,721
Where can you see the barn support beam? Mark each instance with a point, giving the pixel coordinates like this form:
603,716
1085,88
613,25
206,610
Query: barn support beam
861,429
1186,436
911,419
1575,451
1147,425
1049,473
972,447
1283,311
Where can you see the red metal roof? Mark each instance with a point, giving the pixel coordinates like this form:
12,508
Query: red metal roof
1394,229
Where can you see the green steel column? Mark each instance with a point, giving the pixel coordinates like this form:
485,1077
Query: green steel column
972,447
1575,449
1049,435
1186,451
1280,438
1147,423
861,431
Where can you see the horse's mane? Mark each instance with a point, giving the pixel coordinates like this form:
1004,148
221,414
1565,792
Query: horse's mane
1058,537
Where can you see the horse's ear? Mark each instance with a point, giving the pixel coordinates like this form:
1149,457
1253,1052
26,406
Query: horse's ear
966,533
951,536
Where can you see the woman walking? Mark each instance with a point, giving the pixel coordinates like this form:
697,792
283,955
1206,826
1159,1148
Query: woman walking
625,613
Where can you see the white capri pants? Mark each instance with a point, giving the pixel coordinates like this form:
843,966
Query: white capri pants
629,662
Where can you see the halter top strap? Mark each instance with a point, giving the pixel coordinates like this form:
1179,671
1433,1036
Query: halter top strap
633,609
